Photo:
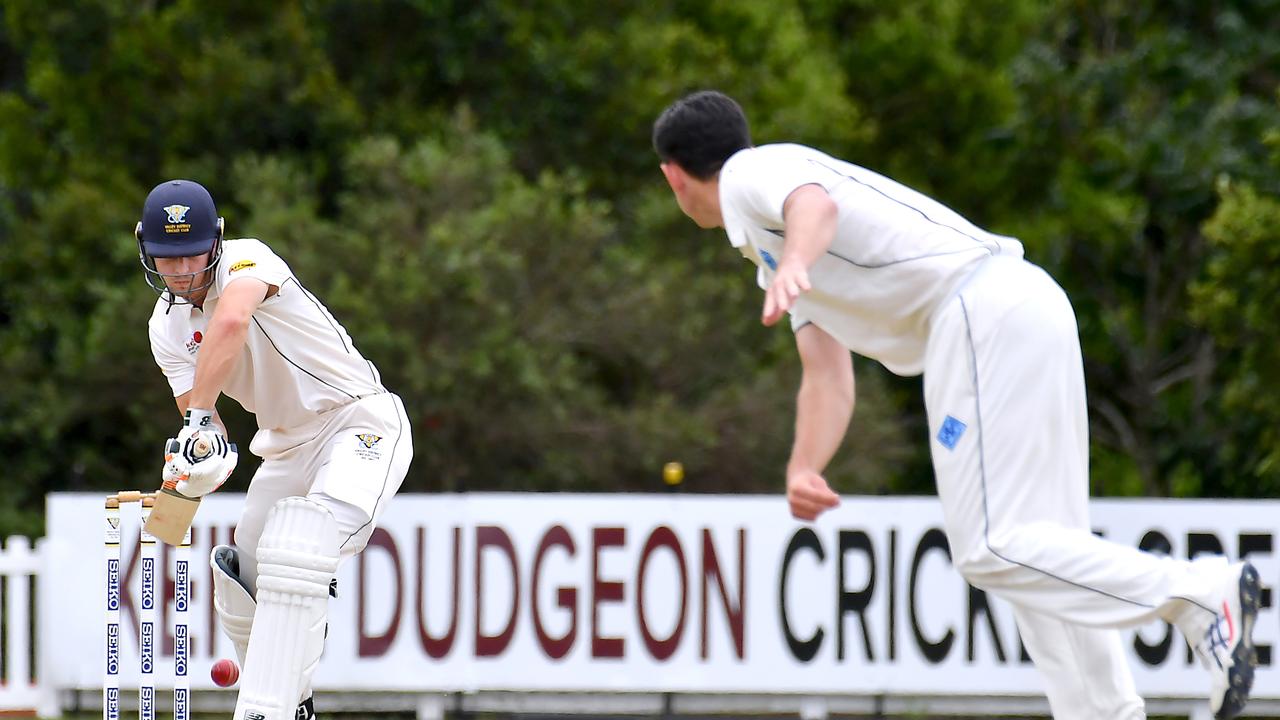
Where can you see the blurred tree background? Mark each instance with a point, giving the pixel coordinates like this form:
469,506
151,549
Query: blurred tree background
470,188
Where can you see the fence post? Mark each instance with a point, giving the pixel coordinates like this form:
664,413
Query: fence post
48,701
17,564
20,691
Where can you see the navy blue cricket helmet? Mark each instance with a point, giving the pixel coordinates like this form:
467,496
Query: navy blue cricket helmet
179,219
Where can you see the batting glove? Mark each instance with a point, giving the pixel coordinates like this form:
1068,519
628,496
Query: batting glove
200,459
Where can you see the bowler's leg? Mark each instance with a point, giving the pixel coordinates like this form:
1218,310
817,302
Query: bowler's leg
1004,389
1085,672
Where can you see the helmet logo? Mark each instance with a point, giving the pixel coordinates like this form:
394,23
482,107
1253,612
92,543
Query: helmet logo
177,213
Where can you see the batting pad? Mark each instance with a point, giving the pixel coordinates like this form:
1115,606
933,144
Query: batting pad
297,557
231,598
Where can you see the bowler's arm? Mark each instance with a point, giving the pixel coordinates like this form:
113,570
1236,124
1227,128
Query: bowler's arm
809,215
824,406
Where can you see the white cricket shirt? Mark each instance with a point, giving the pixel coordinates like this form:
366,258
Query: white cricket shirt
297,363
896,257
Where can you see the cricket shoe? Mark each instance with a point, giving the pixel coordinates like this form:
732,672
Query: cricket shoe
1226,647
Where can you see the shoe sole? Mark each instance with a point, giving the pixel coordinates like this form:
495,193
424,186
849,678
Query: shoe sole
1244,658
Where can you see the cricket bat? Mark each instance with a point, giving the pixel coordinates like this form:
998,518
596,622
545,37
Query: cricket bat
172,513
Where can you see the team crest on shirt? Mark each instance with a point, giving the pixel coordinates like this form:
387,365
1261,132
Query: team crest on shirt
368,449
193,342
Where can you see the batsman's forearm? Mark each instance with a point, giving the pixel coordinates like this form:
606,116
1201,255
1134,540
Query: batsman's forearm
823,411
223,341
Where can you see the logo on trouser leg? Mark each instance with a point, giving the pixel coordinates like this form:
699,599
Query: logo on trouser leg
367,446
950,433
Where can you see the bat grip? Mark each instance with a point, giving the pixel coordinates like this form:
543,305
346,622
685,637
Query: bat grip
202,448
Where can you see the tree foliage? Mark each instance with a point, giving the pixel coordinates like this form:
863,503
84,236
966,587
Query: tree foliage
1239,301
1127,116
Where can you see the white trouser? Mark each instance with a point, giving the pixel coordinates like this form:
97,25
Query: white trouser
353,468
1004,390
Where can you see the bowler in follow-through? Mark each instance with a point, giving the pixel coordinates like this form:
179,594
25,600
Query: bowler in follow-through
864,264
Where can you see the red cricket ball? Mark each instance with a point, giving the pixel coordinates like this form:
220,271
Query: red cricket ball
225,672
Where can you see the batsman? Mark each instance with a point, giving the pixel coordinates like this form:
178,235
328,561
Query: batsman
233,319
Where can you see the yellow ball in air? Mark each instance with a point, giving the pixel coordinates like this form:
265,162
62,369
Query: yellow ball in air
673,473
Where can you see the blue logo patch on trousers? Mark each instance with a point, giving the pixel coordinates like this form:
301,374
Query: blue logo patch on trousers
950,433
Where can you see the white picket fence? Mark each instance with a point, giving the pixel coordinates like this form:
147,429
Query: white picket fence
20,687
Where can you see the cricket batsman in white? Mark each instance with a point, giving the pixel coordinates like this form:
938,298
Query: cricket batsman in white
335,444
862,263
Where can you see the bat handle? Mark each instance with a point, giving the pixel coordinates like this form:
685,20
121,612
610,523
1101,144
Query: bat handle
202,448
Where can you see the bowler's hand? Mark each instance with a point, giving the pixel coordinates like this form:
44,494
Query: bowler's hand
809,495
791,279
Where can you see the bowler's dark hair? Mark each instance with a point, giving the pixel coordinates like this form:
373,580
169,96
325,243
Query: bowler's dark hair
700,131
